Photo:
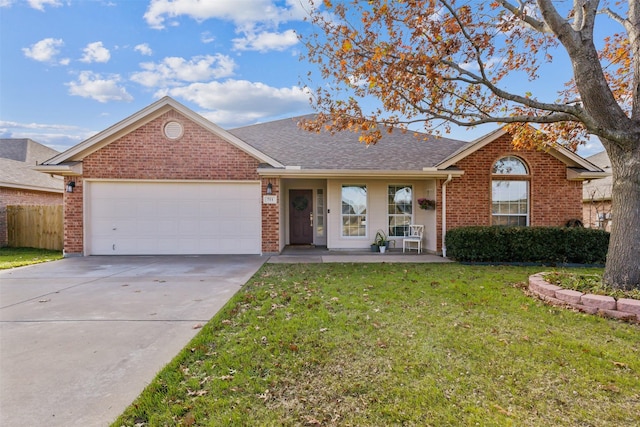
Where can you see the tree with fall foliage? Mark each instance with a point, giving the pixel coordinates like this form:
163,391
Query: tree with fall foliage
469,63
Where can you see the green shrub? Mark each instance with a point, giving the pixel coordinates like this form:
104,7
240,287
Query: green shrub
528,244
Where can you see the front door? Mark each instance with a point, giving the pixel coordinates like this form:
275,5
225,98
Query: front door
300,217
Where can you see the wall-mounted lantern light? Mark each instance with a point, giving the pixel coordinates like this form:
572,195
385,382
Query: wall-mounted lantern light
269,188
70,186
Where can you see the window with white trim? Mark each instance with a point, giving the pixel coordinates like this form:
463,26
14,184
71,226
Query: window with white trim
399,209
354,210
510,192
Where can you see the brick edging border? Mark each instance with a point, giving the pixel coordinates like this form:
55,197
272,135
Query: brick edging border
626,309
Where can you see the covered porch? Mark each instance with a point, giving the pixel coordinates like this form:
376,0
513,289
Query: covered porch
344,213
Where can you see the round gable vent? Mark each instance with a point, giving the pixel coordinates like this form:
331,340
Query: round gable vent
173,130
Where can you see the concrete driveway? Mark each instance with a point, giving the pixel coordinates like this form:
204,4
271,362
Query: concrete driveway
80,338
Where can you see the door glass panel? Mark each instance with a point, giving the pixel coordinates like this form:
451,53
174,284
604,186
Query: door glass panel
320,212
400,209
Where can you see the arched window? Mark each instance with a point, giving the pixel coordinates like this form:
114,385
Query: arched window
510,192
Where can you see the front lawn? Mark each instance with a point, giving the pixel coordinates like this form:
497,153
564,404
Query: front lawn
391,344
18,257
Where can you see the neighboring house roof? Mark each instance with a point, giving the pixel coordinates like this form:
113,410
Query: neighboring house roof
599,189
17,159
294,147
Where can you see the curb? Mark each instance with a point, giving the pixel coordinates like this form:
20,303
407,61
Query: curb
625,309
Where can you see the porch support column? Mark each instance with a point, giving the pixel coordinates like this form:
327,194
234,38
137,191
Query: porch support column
444,215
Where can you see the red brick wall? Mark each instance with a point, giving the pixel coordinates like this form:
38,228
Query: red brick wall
552,198
73,217
15,196
271,218
147,154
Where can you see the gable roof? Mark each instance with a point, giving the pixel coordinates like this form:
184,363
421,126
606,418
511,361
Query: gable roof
342,152
17,159
578,168
283,148
67,163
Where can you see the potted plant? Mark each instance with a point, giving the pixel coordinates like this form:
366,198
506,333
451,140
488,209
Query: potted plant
382,241
427,204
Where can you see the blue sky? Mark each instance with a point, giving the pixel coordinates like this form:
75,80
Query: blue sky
70,69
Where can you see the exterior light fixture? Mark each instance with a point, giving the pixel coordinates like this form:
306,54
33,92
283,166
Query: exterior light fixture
70,186
269,188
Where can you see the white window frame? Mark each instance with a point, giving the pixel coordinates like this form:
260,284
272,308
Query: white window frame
362,217
502,175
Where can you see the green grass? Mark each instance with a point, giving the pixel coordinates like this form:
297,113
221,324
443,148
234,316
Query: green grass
397,345
17,257
588,283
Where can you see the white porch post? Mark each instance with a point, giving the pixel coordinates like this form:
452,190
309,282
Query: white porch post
444,214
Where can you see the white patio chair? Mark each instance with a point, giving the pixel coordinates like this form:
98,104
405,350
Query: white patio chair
414,236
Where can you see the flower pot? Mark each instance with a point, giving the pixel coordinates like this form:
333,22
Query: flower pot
383,249
374,248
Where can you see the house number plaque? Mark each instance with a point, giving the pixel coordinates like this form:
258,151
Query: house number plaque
270,199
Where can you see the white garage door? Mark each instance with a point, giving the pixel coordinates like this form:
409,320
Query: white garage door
144,218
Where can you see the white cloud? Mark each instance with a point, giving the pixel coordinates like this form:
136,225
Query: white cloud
175,70
488,63
591,147
241,12
238,102
143,49
59,137
6,3
45,50
95,86
39,4
266,41
95,52
206,37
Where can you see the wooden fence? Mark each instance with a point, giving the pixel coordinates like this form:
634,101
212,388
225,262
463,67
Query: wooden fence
35,226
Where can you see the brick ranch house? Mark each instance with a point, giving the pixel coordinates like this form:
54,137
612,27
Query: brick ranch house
167,181
19,183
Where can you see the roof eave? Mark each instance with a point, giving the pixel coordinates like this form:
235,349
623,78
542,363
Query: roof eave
31,187
296,172
574,174
471,148
566,156
63,169
572,159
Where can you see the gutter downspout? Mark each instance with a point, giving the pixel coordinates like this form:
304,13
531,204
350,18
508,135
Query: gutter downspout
444,214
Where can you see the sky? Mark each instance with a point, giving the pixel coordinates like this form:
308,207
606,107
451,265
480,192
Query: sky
72,68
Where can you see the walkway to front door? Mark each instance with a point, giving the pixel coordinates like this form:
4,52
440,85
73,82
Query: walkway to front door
320,254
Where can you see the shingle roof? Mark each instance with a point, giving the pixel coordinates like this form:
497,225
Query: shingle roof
599,189
287,143
17,157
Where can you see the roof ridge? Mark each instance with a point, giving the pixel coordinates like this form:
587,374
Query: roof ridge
272,121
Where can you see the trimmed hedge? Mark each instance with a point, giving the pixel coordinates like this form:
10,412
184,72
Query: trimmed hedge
573,245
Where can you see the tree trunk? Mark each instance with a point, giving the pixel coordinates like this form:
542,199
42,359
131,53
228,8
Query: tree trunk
622,270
